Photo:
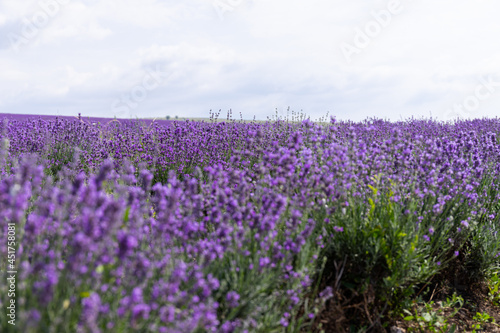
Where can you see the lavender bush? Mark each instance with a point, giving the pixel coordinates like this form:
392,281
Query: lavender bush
234,227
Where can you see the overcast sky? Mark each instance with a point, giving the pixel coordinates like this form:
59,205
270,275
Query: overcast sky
152,58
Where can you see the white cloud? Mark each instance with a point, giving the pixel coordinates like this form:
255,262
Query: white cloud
262,55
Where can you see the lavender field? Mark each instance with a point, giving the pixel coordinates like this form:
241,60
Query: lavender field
283,226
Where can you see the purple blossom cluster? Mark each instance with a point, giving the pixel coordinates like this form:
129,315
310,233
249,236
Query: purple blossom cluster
221,227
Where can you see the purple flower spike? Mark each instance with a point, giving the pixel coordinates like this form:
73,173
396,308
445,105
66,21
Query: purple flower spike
90,309
284,321
263,262
140,311
338,229
232,298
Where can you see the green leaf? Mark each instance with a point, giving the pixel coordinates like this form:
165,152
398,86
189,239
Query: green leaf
374,190
372,207
126,216
427,316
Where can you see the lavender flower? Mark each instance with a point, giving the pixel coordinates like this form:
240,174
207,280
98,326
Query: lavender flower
232,298
338,229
